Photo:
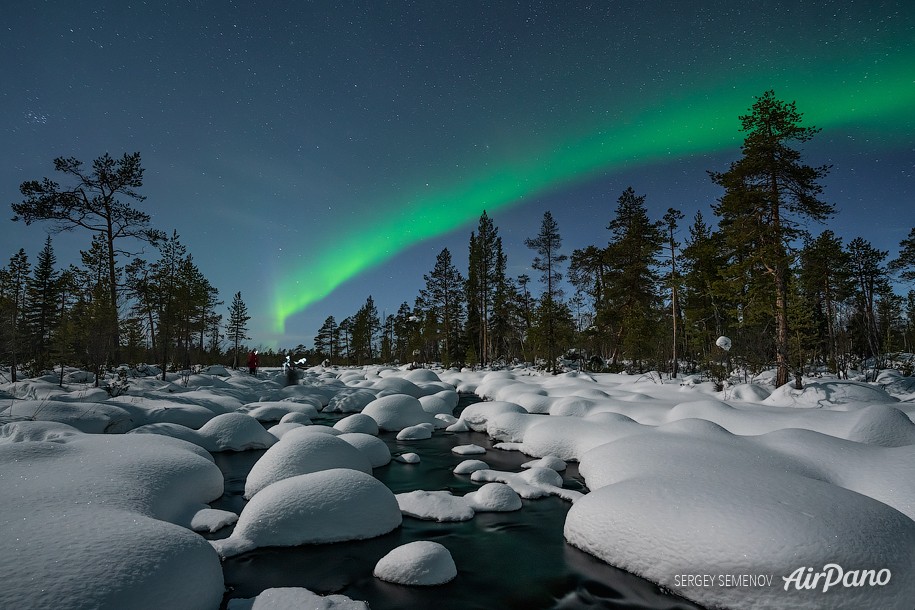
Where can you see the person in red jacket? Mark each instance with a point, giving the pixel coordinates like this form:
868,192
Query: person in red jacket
252,362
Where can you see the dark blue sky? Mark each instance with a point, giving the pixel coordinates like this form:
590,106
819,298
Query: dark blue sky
276,135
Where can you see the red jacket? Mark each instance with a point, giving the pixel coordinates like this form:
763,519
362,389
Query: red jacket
252,360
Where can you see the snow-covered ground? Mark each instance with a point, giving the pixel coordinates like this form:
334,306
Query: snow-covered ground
754,497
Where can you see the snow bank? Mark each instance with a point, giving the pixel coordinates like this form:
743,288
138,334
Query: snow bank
693,498
828,394
100,521
319,507
420,563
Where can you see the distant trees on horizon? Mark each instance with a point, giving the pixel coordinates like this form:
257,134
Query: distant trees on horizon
643,301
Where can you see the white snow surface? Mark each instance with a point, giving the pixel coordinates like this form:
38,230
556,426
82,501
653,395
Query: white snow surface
296,598
682,479
419,563
320,507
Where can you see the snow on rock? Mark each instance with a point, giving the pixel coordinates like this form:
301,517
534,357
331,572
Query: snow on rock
407,458
153,408
280,430
477,414
435,404
421,376
420,563
50,431
357,422
458,426
235,432
439,506
294,598
395,412
319,507
212,520
548,461
295,418
828,394
470,466
418,432
398,385
494,497
749,392
100,521
350,401
533,483
568,438
91,417
375,449
757,505
510,426
298,454
468,450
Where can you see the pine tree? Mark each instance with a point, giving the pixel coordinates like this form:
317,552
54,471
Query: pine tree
768,192
904,264
13,282
485,275
237,326
870,279
93,203
41,305
632,301
326,339
671,218
553,312
443,299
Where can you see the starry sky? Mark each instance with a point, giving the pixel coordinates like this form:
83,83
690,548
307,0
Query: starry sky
310,154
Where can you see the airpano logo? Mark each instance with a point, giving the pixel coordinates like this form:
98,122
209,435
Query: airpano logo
833,575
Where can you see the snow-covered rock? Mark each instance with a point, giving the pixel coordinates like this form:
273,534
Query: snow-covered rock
319,507
416,433
357,422
494,497
398,411
372,447
420,563
434,506
294,598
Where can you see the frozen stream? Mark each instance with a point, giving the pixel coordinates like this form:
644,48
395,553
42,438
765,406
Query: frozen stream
505,560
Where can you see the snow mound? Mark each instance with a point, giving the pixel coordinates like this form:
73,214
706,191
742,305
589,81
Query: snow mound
372,447
398,385
36,431
494,497
235,432
298,454
434,506
766,505
749,392
357,422
548,461
468,450
91,417
291,598
407,458
418,432
420,563
827,395
533,483
350,401
101,521
296,418
436,404
395,412
320,507
477,414
470,466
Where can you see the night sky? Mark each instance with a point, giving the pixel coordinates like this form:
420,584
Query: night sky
310,154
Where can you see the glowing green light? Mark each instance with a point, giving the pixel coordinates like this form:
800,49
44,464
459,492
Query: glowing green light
874,95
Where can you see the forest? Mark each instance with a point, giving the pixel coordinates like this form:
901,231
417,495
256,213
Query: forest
655,297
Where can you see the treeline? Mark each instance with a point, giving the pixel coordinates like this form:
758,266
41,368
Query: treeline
102,312
660,293
655,297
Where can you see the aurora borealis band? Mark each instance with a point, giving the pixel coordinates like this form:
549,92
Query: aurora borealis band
310,154
877,97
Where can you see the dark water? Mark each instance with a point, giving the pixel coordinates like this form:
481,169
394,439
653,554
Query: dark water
516,560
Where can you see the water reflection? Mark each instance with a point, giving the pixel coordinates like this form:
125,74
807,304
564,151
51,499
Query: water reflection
517,560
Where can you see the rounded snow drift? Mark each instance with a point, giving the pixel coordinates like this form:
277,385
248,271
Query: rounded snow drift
420,563
328,506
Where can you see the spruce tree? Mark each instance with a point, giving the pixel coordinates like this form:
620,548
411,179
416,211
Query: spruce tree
41,309
768,192
443,298
554,314
237,326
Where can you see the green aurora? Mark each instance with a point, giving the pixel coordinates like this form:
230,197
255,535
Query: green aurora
867,94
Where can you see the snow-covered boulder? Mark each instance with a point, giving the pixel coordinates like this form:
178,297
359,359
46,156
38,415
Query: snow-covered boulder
468,450
350,401
494,497
371,446
420,563
235,432
302,454
477,414
27,430
439,506
397,411
327,506
357,422
290,598
92,417
418,432
470,466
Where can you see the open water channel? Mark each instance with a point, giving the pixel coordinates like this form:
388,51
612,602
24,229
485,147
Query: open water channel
510,560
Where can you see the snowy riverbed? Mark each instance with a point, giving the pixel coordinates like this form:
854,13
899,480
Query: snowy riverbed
749,498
